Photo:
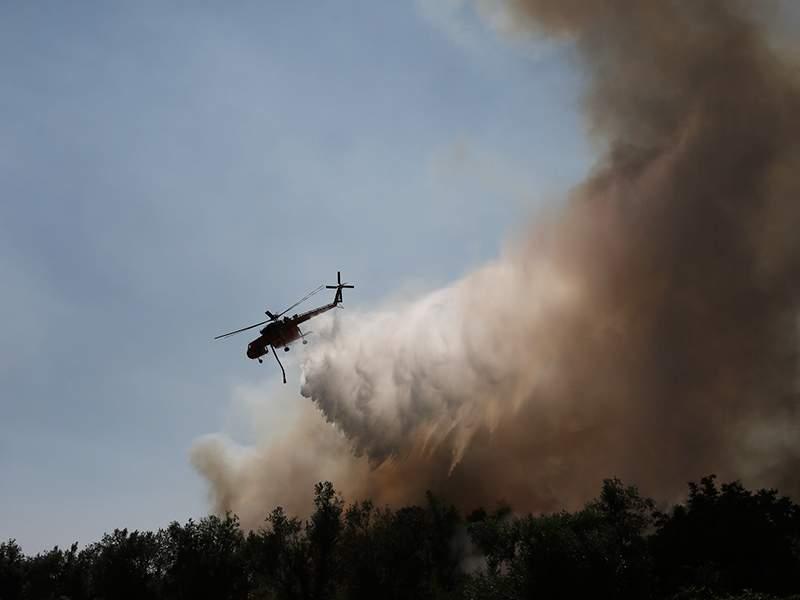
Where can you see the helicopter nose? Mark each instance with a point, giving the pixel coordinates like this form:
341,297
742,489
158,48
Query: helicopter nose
255,351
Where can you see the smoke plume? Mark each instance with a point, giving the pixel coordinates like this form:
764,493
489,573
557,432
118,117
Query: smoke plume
646,330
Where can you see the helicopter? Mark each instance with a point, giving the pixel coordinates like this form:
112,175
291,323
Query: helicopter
282,332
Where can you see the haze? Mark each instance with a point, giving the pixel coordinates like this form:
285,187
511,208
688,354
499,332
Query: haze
168,173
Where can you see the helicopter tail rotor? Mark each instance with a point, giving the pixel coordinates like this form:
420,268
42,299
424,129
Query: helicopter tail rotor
339,287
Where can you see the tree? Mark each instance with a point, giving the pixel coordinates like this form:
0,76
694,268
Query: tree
277,558
58,574
723,543
124,566
322,532
204,559
727,539
12,570
598,552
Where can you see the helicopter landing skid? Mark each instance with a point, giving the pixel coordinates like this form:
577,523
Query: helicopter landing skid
275,354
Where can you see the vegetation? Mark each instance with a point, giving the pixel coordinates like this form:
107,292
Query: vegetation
725,542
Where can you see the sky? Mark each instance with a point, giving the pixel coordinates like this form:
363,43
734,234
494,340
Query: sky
170,170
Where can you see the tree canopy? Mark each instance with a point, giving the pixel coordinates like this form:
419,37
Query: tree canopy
723,542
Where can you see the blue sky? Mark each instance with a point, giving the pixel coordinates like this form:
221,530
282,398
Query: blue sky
170,170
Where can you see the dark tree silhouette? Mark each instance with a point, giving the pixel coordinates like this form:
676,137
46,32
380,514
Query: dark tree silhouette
599,552
204,559
12,570
323,532
727,539
124,566
724,543
57,574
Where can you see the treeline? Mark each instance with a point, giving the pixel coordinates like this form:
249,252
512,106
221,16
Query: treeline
723,542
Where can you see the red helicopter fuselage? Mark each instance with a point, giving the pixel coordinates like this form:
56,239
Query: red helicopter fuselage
277,334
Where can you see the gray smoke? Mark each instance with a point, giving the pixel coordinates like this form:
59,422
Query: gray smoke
649,330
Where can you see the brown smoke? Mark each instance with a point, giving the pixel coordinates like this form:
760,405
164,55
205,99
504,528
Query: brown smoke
647,331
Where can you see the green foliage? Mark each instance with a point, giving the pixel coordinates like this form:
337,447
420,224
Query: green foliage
277,558
724,543
599,551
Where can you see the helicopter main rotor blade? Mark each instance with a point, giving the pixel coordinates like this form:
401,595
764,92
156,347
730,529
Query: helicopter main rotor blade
303,299
230,333
271,316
